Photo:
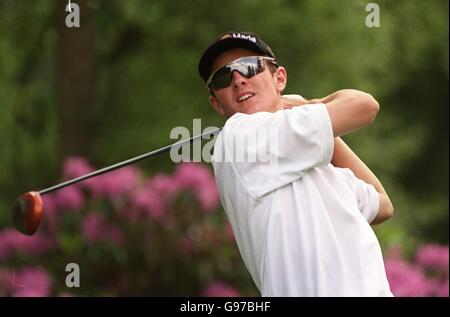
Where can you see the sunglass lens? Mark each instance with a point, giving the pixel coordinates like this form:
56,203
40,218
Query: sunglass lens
247,67
252,69
222,78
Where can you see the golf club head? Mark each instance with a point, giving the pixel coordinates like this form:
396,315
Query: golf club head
27,213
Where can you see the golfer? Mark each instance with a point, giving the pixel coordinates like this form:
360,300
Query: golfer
303,227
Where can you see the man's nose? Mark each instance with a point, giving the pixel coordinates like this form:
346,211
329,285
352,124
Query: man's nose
238,79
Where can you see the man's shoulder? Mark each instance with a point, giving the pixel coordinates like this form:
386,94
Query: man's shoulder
251,119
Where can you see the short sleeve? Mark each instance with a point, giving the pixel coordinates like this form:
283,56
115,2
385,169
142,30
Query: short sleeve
271,150
366,195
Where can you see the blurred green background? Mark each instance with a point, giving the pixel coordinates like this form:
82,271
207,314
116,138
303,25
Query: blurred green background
115,87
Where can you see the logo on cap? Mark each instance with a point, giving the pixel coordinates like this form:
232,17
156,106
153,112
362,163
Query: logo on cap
243,36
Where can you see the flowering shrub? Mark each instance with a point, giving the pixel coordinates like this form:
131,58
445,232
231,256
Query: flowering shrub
130,236
157,236
426,275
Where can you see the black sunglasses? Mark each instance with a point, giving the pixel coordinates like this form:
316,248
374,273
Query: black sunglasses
246,66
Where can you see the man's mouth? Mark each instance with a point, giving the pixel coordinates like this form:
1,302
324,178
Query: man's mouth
245,97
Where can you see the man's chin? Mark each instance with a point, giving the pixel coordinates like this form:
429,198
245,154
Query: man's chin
248,107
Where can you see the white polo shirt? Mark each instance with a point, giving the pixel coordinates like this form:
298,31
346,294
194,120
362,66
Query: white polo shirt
301,224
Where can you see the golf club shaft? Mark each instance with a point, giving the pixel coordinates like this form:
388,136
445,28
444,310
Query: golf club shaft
127,162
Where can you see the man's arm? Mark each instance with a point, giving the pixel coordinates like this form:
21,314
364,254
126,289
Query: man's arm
349,110
343,156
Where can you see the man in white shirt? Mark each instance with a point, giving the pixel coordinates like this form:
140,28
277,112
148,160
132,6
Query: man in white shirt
302,225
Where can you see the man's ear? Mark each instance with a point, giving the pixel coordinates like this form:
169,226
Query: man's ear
281,78
216,105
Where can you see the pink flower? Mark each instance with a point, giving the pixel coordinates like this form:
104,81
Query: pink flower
31,282
120,181
192,175
75,167
411,279
113,183
198,179
50,204
208,197
164,185
94,186
5,282
12,241
442,289
50,211
149,201
114,234
219,289
70,197
92,227
5,249
433,256
50,208
406,279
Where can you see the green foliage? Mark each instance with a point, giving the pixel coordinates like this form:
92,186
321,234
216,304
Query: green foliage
147,83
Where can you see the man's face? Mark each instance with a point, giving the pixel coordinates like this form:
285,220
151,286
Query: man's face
264,88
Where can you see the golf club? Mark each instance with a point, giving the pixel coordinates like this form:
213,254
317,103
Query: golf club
27,209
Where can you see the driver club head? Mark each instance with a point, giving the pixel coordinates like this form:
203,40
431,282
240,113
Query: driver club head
27,213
